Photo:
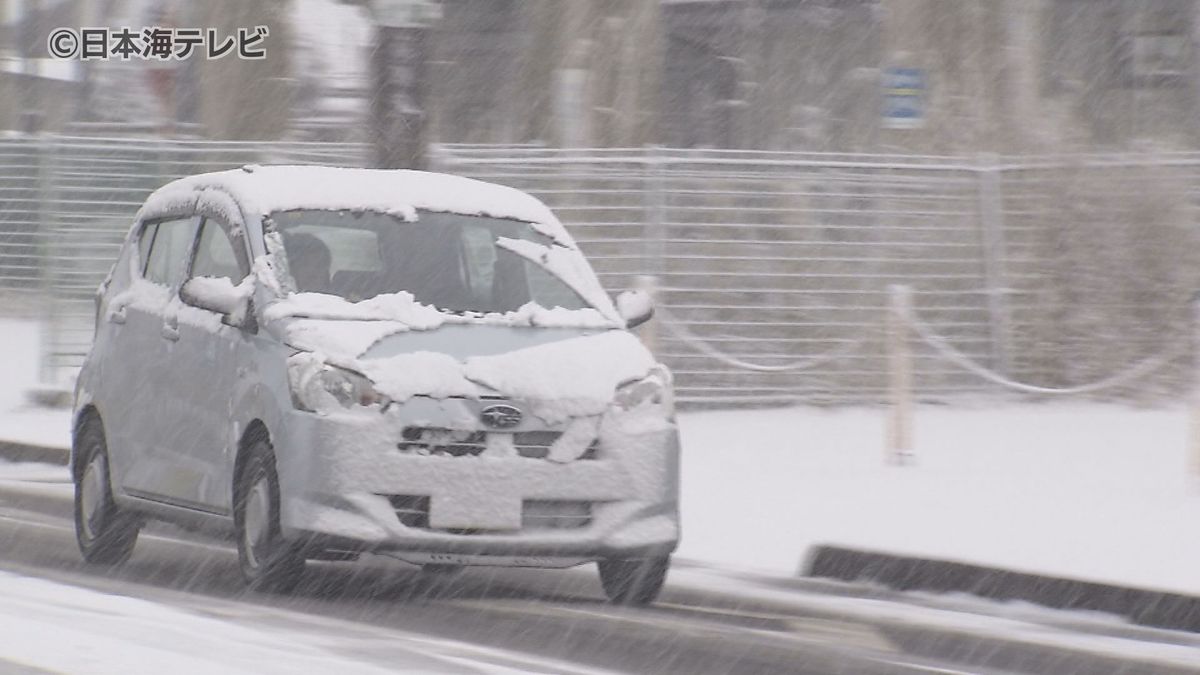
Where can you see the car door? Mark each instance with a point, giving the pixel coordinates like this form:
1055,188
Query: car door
138,416
207,360
117,353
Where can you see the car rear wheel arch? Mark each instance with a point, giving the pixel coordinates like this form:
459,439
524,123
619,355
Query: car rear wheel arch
105,533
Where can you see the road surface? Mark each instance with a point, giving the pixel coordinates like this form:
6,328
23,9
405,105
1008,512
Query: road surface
393,616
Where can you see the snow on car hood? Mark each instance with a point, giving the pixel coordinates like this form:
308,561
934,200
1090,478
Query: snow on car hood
574,377
560,373
344,330
462,342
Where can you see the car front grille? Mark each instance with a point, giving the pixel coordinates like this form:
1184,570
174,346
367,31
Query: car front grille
447,443
442,442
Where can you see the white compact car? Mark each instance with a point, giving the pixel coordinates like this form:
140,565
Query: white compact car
324,362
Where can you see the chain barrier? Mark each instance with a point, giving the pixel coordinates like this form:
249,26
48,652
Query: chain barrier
1134,372
675,327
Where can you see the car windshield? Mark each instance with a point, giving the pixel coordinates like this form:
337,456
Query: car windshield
450,261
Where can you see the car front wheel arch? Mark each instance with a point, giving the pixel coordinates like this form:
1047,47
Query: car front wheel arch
255,432
89,415
268,562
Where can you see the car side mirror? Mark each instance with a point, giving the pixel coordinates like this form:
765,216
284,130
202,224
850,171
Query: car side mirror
219,295
636,307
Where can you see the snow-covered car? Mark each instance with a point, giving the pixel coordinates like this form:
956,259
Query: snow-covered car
323,362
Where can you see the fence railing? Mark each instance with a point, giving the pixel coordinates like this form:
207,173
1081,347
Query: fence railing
773,267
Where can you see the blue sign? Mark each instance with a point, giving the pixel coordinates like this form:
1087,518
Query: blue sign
903,98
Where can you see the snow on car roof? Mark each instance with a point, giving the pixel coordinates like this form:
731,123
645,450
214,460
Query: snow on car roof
262,190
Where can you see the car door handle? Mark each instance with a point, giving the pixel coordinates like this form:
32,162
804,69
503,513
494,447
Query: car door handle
170,332
117,315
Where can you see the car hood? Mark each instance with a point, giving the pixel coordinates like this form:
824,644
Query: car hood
562,372
465,341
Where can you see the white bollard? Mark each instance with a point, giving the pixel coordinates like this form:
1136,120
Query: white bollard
649,330
900,376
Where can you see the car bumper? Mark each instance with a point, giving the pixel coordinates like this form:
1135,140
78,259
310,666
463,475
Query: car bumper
342,474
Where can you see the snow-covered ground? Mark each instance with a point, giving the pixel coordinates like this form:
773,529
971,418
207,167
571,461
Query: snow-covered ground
18,361
1081,490
56,627
40,623
1097,492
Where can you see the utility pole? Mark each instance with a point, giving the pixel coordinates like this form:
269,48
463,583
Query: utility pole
399,64
1195,70
245,99
592,71
572,107
29,110
10,49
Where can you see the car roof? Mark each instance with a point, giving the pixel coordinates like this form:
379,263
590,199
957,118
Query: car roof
262,190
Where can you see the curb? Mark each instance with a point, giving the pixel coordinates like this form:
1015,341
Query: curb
51,499
1158,609
25,452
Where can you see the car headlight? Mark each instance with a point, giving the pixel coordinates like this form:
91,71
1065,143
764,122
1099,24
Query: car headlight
654,389
315,386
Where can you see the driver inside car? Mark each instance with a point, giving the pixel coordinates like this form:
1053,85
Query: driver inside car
309,260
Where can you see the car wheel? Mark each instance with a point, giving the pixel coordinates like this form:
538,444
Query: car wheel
105,533
633,582
267,561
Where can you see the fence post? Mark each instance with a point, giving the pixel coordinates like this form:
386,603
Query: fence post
1194,417
991,223
653,240
900,375
654,212
649,331
46,243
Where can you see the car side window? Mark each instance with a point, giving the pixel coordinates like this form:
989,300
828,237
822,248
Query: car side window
144,242
216,255
168,256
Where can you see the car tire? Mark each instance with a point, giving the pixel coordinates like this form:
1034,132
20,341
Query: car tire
267,561
633,582
106,534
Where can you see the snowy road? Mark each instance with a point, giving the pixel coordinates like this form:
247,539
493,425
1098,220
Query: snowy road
180,602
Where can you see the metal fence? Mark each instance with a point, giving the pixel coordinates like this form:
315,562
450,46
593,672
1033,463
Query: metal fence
773,266
66,203
1050,270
